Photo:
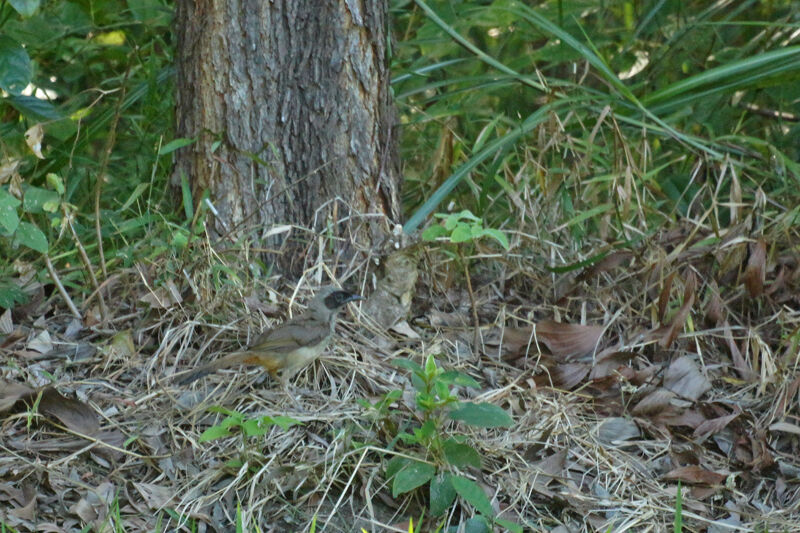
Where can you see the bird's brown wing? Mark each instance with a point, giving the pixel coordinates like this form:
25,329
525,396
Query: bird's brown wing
271,349
299,332
268,350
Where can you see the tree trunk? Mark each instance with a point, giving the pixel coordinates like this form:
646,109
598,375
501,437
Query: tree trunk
290,103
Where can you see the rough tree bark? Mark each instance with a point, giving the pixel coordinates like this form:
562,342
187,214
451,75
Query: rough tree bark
289,101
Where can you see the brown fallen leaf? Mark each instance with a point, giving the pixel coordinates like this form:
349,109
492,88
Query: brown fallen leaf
449,320
511,343
6,323
715,312
404,328
163,297
41,343
19,502
755,272
663,296
254,301
672,236
778,283
608,263
695,474
564,375
762,457
156,496
655,402
786,398
714,425
679,319
609,364
565,341
689,418
617,430
685,379
550,468
102,454
9,493
120,347
697,493
730,258
95,503
33,138
739,362
74,414
8,166
390,302
10,340
28,510
11,393
785,427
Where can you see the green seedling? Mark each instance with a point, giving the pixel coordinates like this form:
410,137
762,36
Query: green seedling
433,453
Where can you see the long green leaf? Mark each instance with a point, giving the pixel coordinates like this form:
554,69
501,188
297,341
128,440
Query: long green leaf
480,54
789,56
427,69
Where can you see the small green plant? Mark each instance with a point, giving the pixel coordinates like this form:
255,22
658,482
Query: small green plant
462,227
434,454
248,427
236,422
22,232
677,526
239,522
23,210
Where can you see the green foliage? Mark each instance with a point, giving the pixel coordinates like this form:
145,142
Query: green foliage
562,99
463,227
88,101
15,66
10,294
483,415
46,205
433,453
239,522
677,526
248,427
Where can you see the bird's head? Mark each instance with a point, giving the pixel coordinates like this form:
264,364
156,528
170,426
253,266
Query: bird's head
330,299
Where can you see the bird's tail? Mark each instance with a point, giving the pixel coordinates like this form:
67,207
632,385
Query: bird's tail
224,362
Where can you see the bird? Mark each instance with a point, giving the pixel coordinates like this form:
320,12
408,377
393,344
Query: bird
290,346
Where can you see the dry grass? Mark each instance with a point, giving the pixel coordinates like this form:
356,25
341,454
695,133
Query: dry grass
599,441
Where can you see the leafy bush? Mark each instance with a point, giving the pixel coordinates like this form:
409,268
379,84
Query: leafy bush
87,102
435,454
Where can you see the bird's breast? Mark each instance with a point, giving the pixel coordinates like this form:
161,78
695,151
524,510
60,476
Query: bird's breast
305,355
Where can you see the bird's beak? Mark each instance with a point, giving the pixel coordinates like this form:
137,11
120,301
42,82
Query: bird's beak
353,298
